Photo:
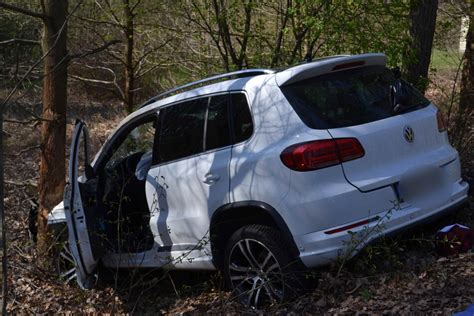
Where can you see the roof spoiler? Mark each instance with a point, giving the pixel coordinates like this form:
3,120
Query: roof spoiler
327,65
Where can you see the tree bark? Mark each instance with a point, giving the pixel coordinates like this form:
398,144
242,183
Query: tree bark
466,101
423,21
129,46
3,241
53,128
281,32
466,98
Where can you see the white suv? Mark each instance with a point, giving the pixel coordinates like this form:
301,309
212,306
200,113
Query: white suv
258,172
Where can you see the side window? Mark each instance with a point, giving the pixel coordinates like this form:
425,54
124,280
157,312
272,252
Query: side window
217,128
138,140
182,130
243,125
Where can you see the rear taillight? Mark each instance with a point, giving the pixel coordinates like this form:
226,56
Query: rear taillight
441,121
321,153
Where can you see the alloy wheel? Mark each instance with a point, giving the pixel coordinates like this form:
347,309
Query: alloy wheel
65,265
255,274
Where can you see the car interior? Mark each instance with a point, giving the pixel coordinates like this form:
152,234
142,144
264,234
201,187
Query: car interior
117,197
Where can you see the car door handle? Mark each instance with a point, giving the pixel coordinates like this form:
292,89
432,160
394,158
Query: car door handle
210,178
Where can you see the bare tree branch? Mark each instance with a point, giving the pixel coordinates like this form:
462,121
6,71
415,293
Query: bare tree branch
97,22
135,6
19,40
61,29
151,51
90,80
141,74
116,56
13,8
113,82
110,12
93,51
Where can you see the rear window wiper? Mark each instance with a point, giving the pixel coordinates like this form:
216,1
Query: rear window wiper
403,97
395,90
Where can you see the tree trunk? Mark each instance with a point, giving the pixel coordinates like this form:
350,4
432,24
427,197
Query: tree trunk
466,101
423,21
3,241
129,46
53,129
281,32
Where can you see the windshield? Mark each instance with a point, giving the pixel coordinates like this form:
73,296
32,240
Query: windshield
350,97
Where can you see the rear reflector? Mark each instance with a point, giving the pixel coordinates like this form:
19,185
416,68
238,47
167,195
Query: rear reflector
319,154
349,65
441,121
347,227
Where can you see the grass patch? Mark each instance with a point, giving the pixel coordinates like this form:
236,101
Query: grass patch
445,59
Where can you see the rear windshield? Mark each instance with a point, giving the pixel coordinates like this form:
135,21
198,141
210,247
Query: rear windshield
349,97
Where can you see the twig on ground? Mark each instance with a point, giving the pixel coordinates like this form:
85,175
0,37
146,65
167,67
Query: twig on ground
25,183
25,150
355,289
174,286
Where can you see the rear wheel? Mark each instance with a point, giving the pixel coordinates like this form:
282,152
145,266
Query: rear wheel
258,267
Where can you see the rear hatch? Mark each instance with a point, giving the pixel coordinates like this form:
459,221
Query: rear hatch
355,101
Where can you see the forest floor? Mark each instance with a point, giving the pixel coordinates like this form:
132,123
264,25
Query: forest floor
401,274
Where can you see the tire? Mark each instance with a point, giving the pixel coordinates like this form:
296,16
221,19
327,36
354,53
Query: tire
259,269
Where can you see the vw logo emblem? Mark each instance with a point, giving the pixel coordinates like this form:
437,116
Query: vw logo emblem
408,134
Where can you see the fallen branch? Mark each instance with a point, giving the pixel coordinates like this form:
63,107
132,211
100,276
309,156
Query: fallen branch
21,152
23,184
21,122
355,289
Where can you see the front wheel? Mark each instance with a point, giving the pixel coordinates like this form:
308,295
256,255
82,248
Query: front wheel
64,264
258,267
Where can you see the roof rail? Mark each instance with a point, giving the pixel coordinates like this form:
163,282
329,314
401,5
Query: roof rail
236,74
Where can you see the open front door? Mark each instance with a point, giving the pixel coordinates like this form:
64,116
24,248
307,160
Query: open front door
77,196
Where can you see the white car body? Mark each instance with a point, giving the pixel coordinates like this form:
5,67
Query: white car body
316,210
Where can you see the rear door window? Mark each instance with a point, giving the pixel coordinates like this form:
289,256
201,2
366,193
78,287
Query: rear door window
348,98
217,125
181,130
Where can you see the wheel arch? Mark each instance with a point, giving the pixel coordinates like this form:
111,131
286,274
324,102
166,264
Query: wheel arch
232,216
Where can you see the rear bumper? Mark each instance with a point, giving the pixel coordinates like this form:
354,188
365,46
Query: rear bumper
319,248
